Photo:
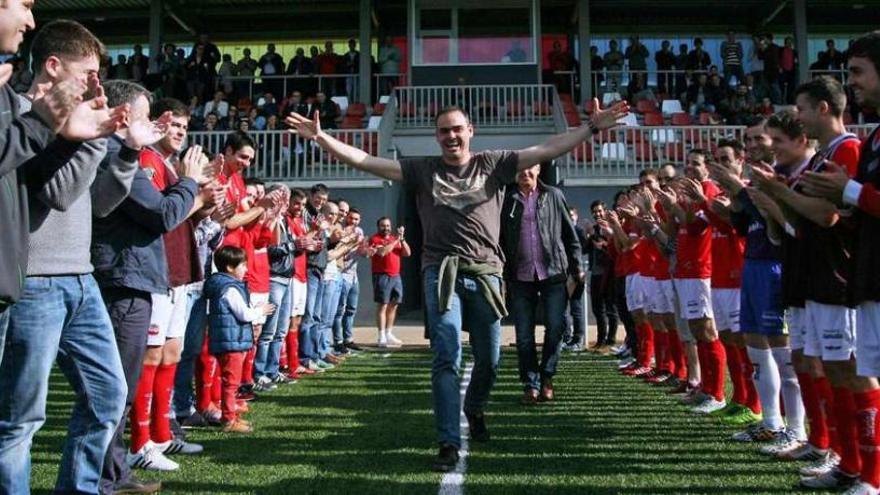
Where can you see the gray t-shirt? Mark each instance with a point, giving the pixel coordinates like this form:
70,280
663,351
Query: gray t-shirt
460,207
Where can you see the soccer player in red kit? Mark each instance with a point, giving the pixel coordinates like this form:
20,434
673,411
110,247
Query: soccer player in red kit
835,183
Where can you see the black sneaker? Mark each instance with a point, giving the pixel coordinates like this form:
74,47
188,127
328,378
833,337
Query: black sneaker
176,429
477,427
446,459
194,420
354,347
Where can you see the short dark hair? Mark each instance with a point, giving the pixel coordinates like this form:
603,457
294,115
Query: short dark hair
452,109
866,46
297,194
698,151
354,210
238,140
648,172
253,181
596,203
827,89
64,39
786,121
738,148
756,120
319,188
381,219
120,92
229,257
173,105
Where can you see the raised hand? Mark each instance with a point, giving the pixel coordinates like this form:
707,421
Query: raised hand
58,103
224,211
213,193
694,191
400,231
144,133
609,117
308,129
668,196
92,119
829,183
193,163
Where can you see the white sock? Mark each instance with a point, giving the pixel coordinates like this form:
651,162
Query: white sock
768,383
791,392
390,330
382,334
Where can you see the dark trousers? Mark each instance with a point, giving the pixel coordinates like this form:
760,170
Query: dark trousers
130,315
525,298
623,314
575,319
604,308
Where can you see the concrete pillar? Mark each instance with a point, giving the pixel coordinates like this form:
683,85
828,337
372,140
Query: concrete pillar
584,41
365,18
800,37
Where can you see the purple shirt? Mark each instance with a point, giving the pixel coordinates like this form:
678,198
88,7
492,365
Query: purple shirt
530,266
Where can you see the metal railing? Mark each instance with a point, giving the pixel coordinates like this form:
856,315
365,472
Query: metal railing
839,74
623,152
332,84
512,105
285,156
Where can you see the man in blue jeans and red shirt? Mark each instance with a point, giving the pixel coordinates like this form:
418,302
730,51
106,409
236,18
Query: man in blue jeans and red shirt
459,196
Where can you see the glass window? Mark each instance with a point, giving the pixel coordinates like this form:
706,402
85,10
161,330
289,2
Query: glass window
481,42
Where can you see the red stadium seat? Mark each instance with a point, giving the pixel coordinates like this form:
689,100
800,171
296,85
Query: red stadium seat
706,118
646,106
356,109
654,118
645,152
351,122
682,118
378,109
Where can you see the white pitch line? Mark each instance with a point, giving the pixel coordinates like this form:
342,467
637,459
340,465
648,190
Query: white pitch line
452,483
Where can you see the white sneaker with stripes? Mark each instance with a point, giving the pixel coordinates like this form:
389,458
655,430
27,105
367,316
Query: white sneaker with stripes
150,458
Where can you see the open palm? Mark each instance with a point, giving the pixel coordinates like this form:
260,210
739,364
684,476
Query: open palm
144,133
92,119
608,118
307,128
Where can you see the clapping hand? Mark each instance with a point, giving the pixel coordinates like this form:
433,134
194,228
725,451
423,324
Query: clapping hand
224,211
693,190
828,184
143,133
193,163
92,119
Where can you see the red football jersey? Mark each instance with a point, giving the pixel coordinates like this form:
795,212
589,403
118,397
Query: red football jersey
694,252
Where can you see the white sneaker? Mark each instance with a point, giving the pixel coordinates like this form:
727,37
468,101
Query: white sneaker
624,363
383,340
756,433
786,442
393,340
806,452
835,479
150,458
822,465
178,446
862,488
709,406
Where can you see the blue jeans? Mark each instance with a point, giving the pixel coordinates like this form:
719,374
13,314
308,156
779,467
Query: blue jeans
197,307
343,323
308,330
525,297
59,317
469,310
4,323
329,304
269,344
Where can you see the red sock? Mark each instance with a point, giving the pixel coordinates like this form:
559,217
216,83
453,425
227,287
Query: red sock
292,341
818,427
753,401
677,353
662,351
868,405
204,377
845,417
160,417
705,367
140,409
247,370
646,349
718,361
825,397
734,368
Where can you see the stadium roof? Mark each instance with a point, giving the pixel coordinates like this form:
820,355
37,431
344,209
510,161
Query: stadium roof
274,19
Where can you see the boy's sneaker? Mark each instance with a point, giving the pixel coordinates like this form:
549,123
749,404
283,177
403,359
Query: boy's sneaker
383,340
313,366
324,365
834,479
477,427
446,459
806,452
264,384
238,426
283,379
178,446
821,465
786,442
393,341
194,420
709,406
150,458
744,416
862,488
756,433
